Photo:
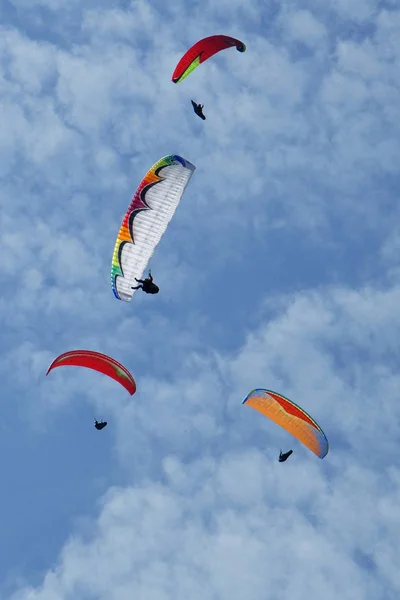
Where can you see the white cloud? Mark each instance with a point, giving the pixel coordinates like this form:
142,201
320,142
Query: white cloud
358,11
302,26
225,508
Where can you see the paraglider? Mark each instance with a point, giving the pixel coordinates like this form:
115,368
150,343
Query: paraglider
101,425
198,109
146,220
98,362
146,285
284,455
291,417
201,51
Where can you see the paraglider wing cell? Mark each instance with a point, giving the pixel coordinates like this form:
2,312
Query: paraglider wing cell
291,417
98,362
201,51
146,220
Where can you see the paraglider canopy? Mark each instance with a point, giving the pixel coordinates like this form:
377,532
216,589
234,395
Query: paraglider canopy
98,362
146,220
201,51
291,417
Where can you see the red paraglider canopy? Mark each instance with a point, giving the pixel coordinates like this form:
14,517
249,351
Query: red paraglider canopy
201,51
98,362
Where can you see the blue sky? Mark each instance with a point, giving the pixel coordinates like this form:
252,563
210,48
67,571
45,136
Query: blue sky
280,269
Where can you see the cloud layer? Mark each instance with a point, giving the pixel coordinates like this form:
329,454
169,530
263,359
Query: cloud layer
279,269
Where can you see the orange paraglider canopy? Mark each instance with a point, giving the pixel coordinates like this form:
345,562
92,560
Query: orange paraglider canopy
291,417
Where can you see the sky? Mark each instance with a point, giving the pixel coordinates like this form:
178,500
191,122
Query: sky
280,270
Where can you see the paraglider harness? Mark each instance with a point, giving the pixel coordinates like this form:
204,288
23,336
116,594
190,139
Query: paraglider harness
147,285
101,425
284,456
198,109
